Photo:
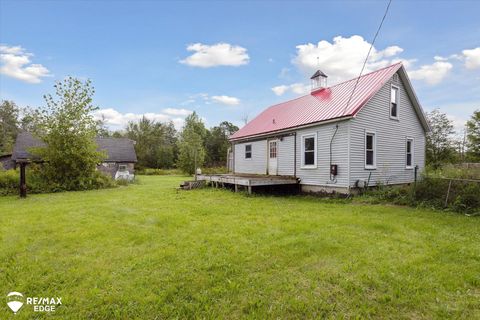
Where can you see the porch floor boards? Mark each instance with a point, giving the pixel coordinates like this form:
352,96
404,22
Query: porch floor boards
247,180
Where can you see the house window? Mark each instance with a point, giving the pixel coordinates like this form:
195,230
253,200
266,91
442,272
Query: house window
248,151
370,150
122,167
309,151
409,153
394,103
273,149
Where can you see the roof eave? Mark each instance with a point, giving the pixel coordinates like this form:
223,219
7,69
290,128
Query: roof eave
285,130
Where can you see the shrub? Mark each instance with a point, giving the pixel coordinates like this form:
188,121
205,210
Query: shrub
431,192
36,183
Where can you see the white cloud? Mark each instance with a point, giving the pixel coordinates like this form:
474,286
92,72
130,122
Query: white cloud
220,54
297,88
343,58
472,58
16,63
177,112
280,90
117,120
432,73
229,101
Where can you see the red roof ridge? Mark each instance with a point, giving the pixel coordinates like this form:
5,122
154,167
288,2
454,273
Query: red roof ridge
337,84
366,74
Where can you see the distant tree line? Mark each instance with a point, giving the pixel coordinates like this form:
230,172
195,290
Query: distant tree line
444,145
158,145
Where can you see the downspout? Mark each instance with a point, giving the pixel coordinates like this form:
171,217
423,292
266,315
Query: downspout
233,160
334,180
295,155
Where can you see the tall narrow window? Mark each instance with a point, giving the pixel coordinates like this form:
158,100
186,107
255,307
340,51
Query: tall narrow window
409,153
370,146
394,103
309,151
273,149
248,151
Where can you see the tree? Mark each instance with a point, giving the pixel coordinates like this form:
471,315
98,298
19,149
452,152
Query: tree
191,149
67,127
439,141
155,143
473,136
9,125
217,144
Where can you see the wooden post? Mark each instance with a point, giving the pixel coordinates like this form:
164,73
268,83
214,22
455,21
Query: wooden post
249,189
23,183
448,193
236,187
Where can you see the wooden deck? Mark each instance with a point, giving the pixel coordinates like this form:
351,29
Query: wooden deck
247,180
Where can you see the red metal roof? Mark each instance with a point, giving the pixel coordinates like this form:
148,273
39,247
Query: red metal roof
321,105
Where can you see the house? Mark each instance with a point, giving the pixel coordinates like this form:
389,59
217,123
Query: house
333,140
120,154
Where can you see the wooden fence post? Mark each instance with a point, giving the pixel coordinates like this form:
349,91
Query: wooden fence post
23,183
448,193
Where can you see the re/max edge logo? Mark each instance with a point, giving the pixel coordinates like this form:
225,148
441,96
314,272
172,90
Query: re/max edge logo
16,300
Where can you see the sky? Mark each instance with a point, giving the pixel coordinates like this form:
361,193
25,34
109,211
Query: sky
229,60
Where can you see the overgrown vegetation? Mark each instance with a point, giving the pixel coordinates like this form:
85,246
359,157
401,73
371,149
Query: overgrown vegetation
448,188
67,128
10,180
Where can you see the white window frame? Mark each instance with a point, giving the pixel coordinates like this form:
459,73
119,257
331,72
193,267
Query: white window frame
412,151
368,166
314,165
245,151
122,165
390,102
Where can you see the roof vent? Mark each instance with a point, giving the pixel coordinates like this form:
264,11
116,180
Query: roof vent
319,80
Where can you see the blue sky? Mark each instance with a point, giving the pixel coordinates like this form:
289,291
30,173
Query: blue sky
227,60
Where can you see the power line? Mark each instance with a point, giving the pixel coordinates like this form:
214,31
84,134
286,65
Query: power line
366,58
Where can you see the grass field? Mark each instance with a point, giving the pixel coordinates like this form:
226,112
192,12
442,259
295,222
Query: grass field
147,252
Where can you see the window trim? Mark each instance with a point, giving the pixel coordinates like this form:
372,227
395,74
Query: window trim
368,166
412,151
392,86
315,150
245,152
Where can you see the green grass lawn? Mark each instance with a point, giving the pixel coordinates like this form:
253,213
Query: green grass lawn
147,252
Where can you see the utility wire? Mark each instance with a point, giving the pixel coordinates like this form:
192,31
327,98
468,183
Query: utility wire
366,58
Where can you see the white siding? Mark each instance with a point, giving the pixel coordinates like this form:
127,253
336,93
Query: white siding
391,138
257,164
286,149
320,176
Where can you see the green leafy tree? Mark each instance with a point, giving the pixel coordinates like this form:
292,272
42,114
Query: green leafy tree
67,127
9,125
440,148
191,150
217,144
30,120
473,136
155,143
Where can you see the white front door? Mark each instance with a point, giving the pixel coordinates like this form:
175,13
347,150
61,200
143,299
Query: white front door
272,157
